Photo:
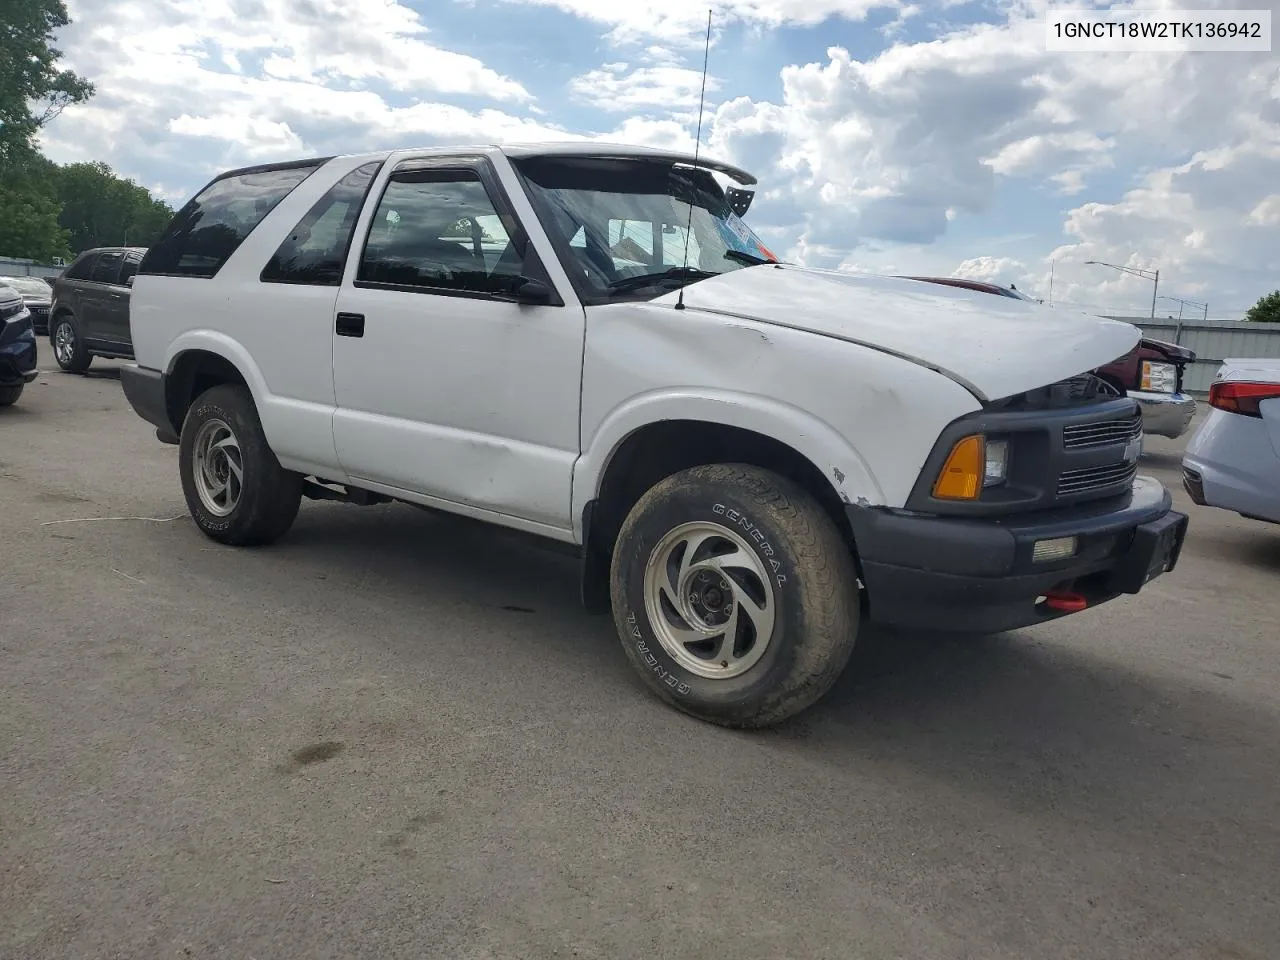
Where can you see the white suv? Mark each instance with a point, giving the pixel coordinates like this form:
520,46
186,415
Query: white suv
587,343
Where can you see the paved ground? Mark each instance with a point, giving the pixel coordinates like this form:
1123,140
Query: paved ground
395,737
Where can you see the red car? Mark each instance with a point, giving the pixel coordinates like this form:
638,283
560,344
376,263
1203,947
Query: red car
1150,373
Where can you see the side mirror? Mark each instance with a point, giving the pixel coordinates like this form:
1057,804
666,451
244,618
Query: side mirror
533,292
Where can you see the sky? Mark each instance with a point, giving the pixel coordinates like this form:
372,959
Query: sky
926,137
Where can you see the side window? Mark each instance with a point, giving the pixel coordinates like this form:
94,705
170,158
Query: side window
129,269
80,269
205,233
316,249
107,268
439,230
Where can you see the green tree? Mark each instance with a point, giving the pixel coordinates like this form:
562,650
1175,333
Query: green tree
29,227
101,209
28,200
1266,310
33,89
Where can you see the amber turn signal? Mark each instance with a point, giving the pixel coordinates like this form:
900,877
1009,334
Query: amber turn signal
961,476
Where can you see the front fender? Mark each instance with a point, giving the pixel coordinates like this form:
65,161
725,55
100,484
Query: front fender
850,476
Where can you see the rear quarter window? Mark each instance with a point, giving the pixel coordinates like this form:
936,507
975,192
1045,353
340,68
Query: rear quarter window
205,233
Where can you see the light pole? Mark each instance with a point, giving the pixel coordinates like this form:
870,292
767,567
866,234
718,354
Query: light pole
1153,275
1194,303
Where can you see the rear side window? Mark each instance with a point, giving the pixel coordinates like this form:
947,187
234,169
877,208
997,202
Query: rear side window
316,249
205,233
81,268
107,268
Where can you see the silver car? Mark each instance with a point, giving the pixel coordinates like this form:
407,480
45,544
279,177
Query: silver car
37,294
1233,461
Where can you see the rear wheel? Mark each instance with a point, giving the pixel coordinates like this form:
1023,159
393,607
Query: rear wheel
235,488
68,346
734,594
9,395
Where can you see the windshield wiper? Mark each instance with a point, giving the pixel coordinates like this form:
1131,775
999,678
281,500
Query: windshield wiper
750,259
675,274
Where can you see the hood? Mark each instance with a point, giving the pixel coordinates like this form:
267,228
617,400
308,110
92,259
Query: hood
993,346
1173,352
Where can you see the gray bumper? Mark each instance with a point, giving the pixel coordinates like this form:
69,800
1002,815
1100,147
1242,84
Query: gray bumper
1165,414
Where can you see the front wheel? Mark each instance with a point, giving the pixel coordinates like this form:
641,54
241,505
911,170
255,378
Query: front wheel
734,594
9,395
68,346
235,488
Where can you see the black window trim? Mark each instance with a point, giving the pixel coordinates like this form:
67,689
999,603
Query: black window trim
351,234
316,164
85,256
109,252
483,167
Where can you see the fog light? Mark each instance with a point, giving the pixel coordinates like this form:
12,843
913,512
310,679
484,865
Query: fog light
996,465
1059,548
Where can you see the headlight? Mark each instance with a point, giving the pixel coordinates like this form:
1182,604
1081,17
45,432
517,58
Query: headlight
1159,377
974,463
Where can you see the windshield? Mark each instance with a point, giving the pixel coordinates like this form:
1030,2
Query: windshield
625,224
32,288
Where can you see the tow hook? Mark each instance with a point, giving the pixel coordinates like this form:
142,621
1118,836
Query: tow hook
1065,601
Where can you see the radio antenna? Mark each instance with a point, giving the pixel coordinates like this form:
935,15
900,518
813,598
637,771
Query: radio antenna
697,145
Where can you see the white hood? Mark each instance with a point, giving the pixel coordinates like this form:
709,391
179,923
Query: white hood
994,346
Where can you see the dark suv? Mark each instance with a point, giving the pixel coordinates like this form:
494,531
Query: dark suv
90,312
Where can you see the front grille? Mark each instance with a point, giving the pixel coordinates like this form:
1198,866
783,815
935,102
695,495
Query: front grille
1078,435
1088,479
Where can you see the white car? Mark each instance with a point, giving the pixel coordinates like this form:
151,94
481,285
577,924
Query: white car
587,343
1233,460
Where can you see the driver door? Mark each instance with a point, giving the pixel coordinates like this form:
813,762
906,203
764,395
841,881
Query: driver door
447,387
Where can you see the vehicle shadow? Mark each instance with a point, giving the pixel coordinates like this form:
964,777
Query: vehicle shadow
1155,459
102,373
1040,724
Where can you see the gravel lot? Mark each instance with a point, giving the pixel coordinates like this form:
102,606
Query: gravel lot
398,736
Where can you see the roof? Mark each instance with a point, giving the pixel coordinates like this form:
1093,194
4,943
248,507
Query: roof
593,148
565,148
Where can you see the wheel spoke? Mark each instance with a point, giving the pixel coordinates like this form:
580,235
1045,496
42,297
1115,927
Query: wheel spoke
760,615
692,545
716,596
739,559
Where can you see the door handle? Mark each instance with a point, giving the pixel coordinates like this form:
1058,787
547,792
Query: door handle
350,325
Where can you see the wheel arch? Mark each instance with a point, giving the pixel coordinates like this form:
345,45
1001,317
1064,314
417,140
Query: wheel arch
195,365
638,457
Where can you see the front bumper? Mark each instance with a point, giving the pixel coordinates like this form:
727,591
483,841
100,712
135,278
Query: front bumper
144,388
977,575
18,354
1165,414
39,316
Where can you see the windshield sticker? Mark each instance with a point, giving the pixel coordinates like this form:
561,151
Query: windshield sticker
738,236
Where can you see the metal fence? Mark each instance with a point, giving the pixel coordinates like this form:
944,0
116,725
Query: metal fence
10,267
1213,341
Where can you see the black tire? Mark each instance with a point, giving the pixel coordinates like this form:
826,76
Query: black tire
815,600
9,395
269,495
80,358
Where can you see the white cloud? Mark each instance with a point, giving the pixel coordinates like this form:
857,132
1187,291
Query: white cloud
682,23
617,87
1200,224
1001,270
